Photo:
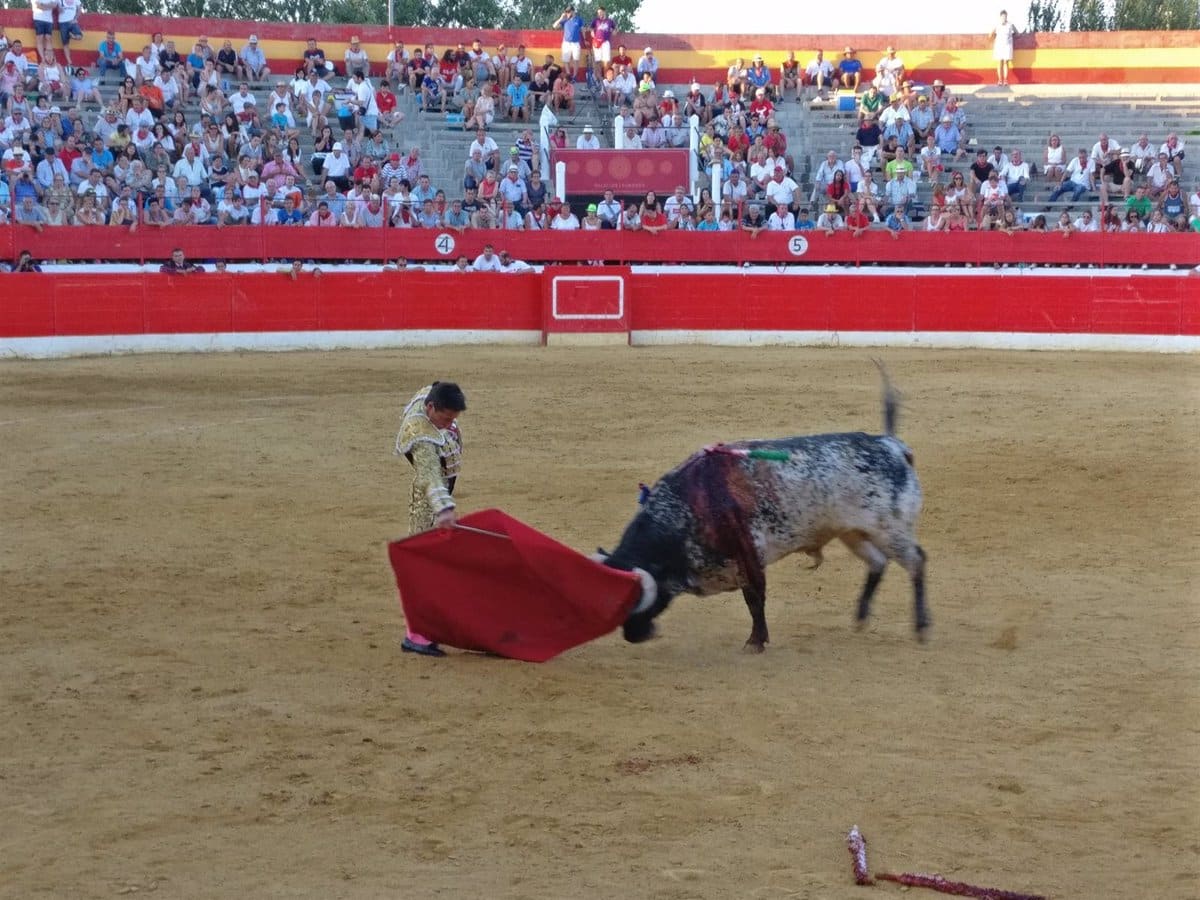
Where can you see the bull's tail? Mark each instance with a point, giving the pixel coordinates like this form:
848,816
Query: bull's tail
891,400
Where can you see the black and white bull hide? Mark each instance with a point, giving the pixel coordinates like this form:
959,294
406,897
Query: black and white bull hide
718,520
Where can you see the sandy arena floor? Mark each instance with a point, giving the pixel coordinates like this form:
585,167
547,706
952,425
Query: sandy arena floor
203,694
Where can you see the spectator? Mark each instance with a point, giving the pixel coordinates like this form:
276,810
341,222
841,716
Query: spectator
819,73
487,261
1142,155
824,174
1174,206
602,30
26,263
1054,160
517,100
322,217
921,119
1174,147
849,71
857,220
355,58
385,103
572,28
397,65
337,168
781,219
228,63
993,198
753,222
482,112
30,212
1159,176
1016,176
315,61
254,61
900,191
830,220
869,137
647,65
897,221
789,76
1002,46
178,264
1106,160
146,66
889,73
587,140
1077,178
759,76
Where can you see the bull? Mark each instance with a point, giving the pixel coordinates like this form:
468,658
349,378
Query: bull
715,522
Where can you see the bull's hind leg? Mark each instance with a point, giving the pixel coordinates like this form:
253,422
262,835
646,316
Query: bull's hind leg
910,555
755,592
860,545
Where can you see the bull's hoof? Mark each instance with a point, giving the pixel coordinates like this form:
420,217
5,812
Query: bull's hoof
860,624
922,634
754,646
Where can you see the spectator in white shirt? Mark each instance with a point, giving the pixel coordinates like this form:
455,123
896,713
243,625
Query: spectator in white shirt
145,66
1015,175
565,220
488,261
587,140
781,219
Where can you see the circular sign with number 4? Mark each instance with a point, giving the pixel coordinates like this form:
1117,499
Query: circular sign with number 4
798,245
444,243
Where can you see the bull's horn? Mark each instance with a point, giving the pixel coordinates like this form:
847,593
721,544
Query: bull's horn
649,591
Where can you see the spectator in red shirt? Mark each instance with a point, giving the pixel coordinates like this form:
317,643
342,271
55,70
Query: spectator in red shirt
389,116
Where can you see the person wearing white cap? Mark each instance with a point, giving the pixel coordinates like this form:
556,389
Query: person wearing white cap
695,104
254,61
648,63
336,167
587,140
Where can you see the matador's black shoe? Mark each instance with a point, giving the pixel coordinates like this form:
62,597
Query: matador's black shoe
411,646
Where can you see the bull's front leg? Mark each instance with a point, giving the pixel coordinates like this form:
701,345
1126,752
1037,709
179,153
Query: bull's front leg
755,592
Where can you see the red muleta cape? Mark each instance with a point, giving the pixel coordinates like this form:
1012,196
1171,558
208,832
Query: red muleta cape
524,595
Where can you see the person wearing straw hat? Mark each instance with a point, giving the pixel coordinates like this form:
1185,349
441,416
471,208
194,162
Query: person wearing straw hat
587,140
430,440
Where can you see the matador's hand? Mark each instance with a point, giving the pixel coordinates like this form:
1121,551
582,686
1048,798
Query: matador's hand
445,519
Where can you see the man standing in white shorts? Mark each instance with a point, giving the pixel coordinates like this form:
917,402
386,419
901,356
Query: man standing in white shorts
603,29
572,29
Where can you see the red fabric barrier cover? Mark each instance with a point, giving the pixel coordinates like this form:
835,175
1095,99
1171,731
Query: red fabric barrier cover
247,243
524,596
592,172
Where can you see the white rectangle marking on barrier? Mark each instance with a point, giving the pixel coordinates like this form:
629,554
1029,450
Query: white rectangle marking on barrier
620,313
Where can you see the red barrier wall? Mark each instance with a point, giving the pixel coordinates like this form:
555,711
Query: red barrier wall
262,243
62,305
101,304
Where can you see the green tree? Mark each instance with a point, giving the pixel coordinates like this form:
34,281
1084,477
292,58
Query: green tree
1044,15
1156,15
1089,15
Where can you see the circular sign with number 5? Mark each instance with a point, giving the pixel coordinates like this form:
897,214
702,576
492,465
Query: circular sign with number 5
798,245
444,244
